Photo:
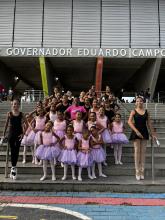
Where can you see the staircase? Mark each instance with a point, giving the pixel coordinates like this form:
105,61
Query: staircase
120,178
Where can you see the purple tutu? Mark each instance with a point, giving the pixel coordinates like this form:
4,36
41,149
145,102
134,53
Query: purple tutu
60,155
47,152
37,139
30,138
84,160
78,136
98,155
119,138
106,137
24,141
69,157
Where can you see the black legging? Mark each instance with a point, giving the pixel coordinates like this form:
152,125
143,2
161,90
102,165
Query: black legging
14,143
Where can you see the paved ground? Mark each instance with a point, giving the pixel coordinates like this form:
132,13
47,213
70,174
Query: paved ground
86,206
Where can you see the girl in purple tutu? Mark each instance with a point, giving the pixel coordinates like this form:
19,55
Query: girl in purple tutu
69,154
78,125
91,120
84,156
60,125
48,150
34,136
59,129
27,129
118,138
103,122
97,151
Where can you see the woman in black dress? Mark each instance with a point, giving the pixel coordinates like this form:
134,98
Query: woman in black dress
15,122
139,121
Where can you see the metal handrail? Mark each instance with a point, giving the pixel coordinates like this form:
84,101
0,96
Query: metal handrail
152,160
33,95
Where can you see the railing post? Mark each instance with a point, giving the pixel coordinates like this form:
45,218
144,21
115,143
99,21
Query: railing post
155,111
152,160
125,116
7,161
39,96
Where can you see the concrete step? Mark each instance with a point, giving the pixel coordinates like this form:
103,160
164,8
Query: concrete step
111,170
125,184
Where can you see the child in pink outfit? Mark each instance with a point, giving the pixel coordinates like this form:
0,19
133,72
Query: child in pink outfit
69,153
84,156
24,142
60,125
102,121
48,150
118,138
78,125
34,136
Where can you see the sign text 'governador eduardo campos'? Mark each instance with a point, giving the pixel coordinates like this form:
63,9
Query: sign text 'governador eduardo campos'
83,52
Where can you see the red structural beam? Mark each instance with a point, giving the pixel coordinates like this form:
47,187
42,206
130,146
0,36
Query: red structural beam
99,72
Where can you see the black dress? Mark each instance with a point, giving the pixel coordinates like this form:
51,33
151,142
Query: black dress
15,130
15,125
140,122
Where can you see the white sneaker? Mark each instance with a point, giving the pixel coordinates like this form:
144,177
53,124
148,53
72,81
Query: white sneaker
36,161
79,178
13,173
62,165
94,176
24,161
142,177
102,175
53,178
90,177
73,177
120,163
116,162
64,178
43,178
40,163
138,177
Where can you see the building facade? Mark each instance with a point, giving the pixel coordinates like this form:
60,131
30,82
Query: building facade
88,24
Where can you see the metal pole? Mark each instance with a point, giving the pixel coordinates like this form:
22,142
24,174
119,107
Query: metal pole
152,162
7,161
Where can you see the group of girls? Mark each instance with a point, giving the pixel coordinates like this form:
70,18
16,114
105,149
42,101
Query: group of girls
74,132
54,139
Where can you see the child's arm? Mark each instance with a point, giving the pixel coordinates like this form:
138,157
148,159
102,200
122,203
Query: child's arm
56,136
62,142
31,124
80,145
100,141
92,142
33,112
